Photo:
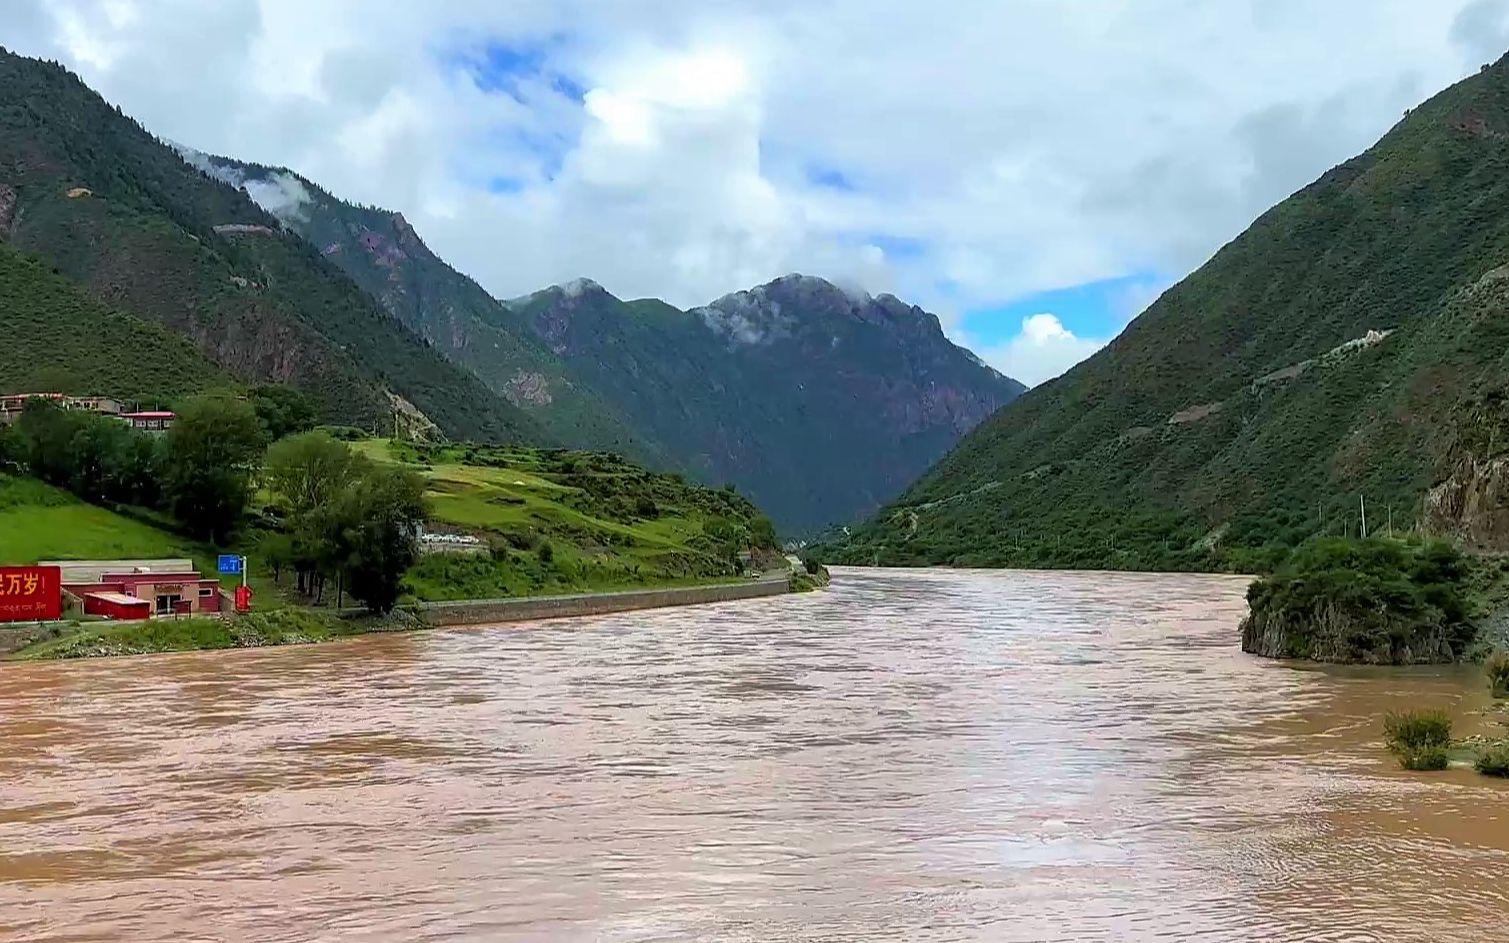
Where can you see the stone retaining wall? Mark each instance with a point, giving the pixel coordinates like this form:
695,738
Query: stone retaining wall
488,611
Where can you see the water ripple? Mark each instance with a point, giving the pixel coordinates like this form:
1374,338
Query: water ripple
922,755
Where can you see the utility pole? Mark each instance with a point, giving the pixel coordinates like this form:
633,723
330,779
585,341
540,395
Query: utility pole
1363,503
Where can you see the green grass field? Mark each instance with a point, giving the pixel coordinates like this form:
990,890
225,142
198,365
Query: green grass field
607,524
40,522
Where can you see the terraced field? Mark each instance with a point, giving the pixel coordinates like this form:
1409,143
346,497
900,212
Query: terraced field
561,521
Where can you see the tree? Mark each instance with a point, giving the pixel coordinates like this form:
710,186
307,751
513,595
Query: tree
46,431
283,410
309,470
373,534
309,473
762,532
211,456
142,474
277,551
10,450
100,455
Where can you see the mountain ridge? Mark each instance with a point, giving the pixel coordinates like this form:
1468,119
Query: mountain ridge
120,213
810,371
634,375
1331,354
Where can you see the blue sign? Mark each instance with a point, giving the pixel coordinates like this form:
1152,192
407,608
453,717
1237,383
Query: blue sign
230,563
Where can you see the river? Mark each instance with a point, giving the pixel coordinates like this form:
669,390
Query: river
919,756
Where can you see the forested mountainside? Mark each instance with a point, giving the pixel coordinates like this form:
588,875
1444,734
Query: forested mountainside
818,403
120,213
1350,346
383,254
55,337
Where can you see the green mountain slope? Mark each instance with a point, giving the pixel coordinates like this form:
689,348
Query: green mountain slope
818,404
120,213
775,389
54,336
828,379
1350,345
383,254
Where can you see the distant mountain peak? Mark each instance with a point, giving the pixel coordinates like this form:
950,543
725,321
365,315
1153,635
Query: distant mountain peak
765,313
581,286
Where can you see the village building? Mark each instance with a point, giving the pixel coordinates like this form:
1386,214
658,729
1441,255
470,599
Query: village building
155,420
13,404
138,589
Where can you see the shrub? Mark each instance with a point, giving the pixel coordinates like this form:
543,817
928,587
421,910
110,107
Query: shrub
1494,761
1429,760
1375,600
546,552
1413,732
1497,667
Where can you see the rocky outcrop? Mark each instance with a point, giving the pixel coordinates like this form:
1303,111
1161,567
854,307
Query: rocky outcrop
1334,634
411,423
244,229
1195,413
7,210
528,388
1472,505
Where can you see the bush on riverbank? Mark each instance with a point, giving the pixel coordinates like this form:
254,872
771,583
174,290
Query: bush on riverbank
1429,760
807,579
1497,668
1419,739
1494,761
1374,601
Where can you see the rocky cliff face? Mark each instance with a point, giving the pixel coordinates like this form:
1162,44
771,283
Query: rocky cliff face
1336,636
7,209
1472,505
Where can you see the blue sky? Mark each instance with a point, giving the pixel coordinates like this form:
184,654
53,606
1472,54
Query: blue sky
1093,309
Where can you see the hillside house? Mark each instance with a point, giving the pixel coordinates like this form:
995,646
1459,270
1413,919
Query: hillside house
13,404
152,420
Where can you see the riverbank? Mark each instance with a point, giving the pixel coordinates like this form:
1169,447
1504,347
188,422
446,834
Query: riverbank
296,626
533,608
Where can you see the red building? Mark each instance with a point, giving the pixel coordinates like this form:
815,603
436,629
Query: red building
138,589
116,606
152,420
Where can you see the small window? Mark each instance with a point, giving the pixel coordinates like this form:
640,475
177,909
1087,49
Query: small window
206,590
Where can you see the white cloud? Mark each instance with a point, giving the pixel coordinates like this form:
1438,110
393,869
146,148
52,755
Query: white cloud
987,150
1041,350
279,193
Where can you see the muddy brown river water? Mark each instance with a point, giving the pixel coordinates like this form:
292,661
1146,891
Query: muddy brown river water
919,756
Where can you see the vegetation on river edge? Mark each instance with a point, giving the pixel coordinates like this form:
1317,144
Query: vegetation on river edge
1421,740
289,626
1375,601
